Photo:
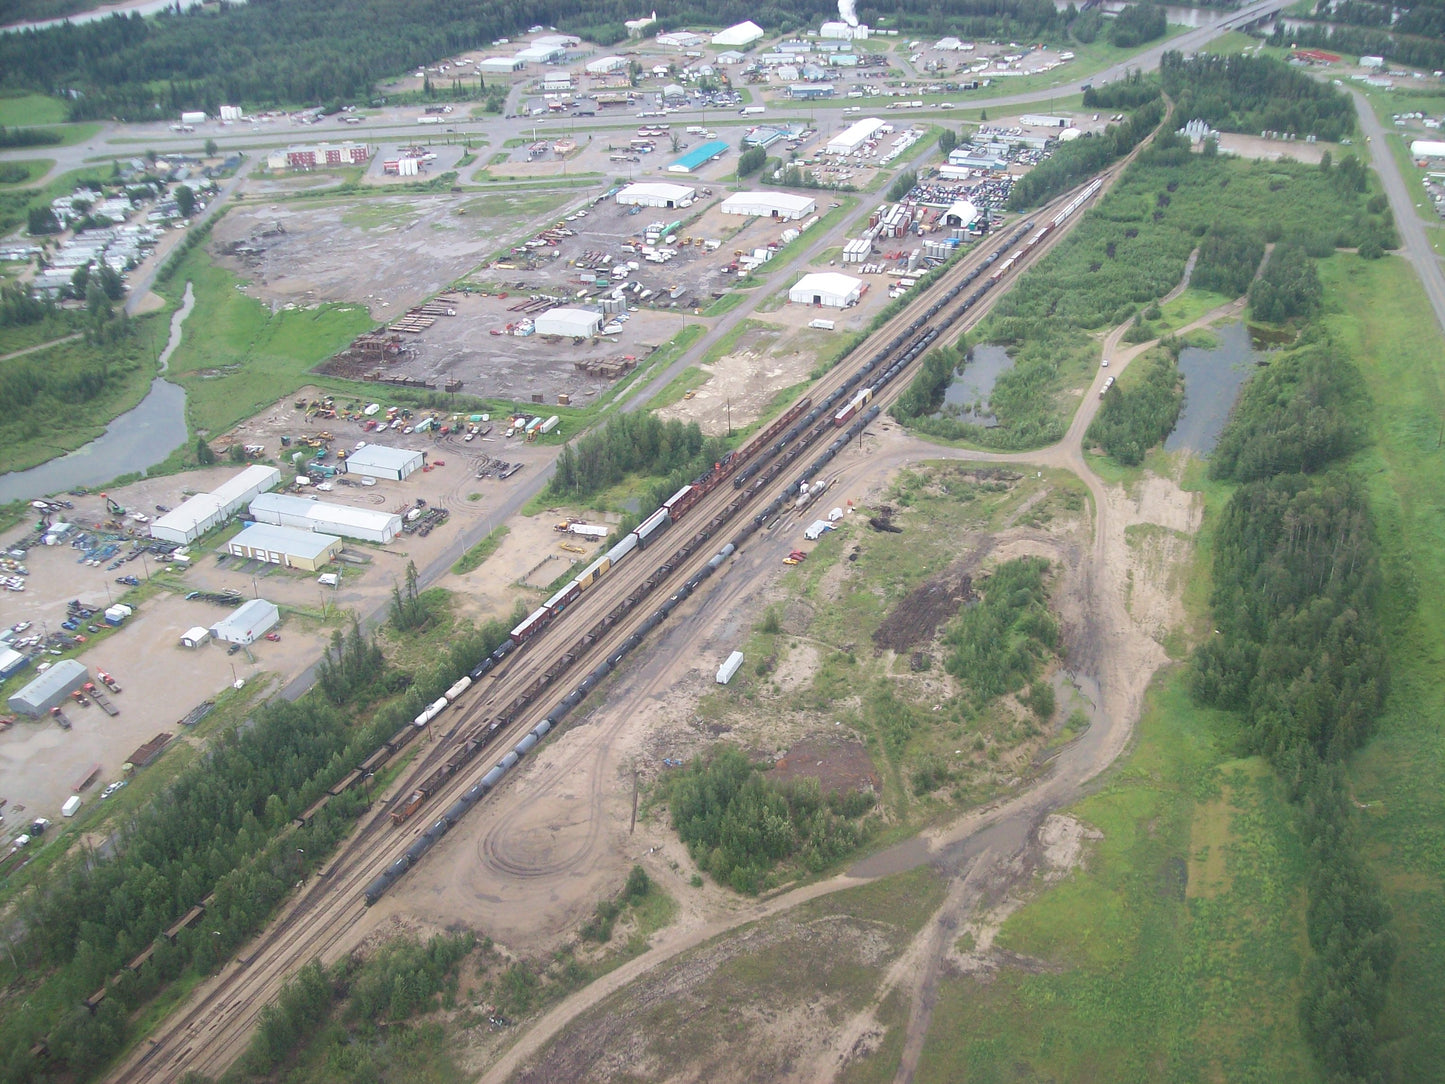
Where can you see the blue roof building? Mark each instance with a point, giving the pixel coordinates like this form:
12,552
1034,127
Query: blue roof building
699,157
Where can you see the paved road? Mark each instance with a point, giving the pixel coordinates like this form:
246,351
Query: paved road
1415,242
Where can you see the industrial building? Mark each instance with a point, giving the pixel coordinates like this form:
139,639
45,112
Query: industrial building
50,689
657,194
379,461
780,205
741,34
500,65
248,621
11,662
366,524
827,288
836,31
286,546
810,92
318,155
197,515
694,159
572,323
855,135
1427,148
542,54
605,65
680,39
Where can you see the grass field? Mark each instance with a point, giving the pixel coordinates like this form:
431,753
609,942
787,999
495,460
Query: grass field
26,110
1378,310
236,356
34,168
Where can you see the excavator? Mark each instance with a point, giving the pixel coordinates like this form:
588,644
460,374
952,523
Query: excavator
112,506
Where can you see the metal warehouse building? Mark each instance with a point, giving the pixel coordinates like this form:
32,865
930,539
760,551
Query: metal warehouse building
285,546
246,622
576,323
700,157
367,524
657,194
51,688
197,515
784,205
855,135
379,461
827,288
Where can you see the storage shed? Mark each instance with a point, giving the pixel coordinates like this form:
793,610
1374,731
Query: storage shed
574,323
11,662
744,33
827,288
285,546
780,205
657,194
248,621
367,524
50,689
379,461
196,636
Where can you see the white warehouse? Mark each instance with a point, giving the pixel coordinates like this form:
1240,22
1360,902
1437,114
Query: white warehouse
657,194
572,323
367,524
378,461
855,135
605,65
827,288
742,34
197,515
780,205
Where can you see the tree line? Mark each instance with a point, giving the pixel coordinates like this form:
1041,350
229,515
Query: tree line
1423,48
629,443
998,644
1072,163
1228,256
1298,651
1288,288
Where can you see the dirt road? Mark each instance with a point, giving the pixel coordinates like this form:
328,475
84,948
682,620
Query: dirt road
1113,659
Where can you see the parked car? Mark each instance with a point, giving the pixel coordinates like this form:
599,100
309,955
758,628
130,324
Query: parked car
274,637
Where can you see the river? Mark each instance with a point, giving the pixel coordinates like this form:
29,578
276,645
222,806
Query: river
134,442
145,7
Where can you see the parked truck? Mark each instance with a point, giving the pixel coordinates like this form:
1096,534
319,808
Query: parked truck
100,698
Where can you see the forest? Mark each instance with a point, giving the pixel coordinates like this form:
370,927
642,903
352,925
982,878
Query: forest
1131,422
997,646
739,826
1253,94
1298,651
1073,163
633,443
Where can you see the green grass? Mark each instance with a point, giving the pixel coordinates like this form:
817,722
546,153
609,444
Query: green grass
688,380
28,110
477,555
1378,310
71,134
236,356
517,205
35,168
1175,955
725,304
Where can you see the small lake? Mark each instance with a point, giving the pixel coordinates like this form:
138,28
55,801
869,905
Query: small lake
132,443
974,386
1212,379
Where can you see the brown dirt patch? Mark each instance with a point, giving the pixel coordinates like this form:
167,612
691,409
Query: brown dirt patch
837,765
923,610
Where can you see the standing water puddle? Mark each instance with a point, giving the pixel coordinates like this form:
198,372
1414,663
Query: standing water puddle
1212,379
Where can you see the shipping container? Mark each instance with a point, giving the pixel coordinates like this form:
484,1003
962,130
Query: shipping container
726,671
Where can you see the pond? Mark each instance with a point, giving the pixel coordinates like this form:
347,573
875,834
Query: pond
1212,379
974,385
135,441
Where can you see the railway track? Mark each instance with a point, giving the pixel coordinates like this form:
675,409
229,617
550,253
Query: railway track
212,1031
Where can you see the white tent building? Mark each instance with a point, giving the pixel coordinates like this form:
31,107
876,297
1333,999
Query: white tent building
962,214
781,205
573,323
855,135
657,194
827,288
251,619
742,34
379,461
1427,148
367,524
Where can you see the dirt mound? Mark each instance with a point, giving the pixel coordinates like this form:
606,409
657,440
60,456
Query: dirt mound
917,618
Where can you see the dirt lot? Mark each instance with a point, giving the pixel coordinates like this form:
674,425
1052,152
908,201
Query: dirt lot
388,253
1272,149
463,347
